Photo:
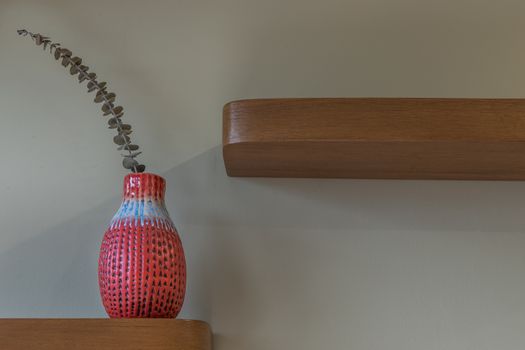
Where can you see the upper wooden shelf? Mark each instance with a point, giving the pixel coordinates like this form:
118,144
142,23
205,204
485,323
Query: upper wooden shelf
376,138
104,334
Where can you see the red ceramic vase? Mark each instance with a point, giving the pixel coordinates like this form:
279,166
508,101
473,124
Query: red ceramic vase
141,268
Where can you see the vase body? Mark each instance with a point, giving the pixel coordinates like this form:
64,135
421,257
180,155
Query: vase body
141,268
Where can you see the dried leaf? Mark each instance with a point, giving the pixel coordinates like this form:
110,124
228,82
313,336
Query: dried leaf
140,168
92,76
102,85
65,52
125,132
129,163
113,122
81,78
118,110
53,46
131,147
76,60
57,53
65,61
106,108
73,70
38,39
91,86
120,139
110,97
100,96
125,127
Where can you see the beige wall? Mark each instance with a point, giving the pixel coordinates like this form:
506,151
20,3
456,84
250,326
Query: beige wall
273,263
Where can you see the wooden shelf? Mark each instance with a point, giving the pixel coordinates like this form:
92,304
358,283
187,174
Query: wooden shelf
376,138
104,334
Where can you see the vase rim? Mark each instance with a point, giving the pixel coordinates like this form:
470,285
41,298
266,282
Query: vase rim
143,174
144,185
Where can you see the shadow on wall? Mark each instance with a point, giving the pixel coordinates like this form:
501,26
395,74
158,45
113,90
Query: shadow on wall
55,273
259,250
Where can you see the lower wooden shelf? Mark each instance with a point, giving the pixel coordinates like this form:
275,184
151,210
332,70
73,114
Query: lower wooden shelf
104,334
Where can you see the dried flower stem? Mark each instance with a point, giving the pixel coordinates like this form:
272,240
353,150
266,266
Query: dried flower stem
122,139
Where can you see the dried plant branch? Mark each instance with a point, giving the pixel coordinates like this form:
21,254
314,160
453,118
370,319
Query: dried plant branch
107,99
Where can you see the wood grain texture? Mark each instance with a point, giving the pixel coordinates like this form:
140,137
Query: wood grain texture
377,138
104,334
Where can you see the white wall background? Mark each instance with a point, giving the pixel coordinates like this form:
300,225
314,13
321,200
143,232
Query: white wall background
273,263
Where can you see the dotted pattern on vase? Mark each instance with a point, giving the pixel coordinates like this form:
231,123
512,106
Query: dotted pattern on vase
142,269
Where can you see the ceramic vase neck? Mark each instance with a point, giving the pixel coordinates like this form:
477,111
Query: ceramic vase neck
144,186
143,202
